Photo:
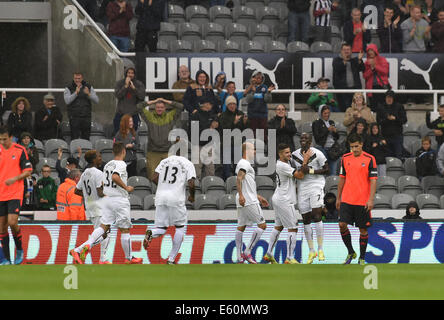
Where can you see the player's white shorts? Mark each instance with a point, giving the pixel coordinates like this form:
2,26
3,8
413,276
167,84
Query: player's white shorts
166,216
249,215
307,202
117,210
285,215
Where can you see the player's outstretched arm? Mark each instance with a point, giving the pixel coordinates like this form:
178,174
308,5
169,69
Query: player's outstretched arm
240,176
117,180
340,188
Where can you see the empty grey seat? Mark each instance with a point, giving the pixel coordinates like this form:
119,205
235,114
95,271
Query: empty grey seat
409,185
227,201
176,14
280,33
268,16
261,33
40,148
168,32
331,183
425,131
427,201
162,47
237,32
306,127
135,202
52,146
254,4
252,47
244,15
141,167
410,166
409,129
281,8
204,46
228,46
105,147
85,146
433,185
265,186
213,31
395,167
179,46
133,28
205,201
148,202
275,47
142,186
319,47
221,15
441,201
230,185
381,202
65,129
197,14
387,186
401,200
297,46
212,185
189,31
411,143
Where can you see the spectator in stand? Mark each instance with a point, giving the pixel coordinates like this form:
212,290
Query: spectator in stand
375,75
20,119
101,13
326,136
389,32
46,190
357,110
321,12
437,125
361,129
2,106
30,193
232,118
198,92
90,7
207,120
258,95
438,33
317,99
284,126
129,92
130,139
346,75
298,20
159,122
401,9
426,159
391,116
356,33
183,83
429,12
47,120
150,13
119,14
376,145
69,205
440,160
27,141
412,211
71,164
231,92
416,32
79,96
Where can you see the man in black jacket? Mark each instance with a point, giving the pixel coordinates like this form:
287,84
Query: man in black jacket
346,75
391,116
355,33
437,125
298,20
284,126
389,32
150,15
79,96
47,120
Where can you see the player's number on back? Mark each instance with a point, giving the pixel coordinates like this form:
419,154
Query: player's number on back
87,187
172,177
109,182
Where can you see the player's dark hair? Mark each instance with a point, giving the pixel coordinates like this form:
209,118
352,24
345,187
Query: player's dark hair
90,155
345,44
282,146
46,166
118,148
229,82
4,129
441,105
354,137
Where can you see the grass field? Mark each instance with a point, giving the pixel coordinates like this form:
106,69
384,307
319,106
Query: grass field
217,282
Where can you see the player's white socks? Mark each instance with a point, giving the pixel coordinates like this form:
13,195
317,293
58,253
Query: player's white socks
319,226
309,236
239,243
254,239
291,244
93,238
273,239
103,248
177,242
125,240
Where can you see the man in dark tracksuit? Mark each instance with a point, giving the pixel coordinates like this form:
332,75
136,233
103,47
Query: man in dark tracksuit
150,15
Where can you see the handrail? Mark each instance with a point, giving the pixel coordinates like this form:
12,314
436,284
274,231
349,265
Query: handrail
105,37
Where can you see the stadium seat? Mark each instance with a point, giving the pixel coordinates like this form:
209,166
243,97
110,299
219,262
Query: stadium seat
141,167
297,46
381,202
280,33
227,201
135,202
268,16
148,202
297,141
142,186
331,183
212,185
49,161
410,166
275,47
261,33
306,127
427,201
441,201
221,15
410,129
162,47
85,146
281,8
189,31
425,131
387,186
197,14
205,201
65,130
252,47
143,141
181,46
228,46
265,186
237,32
254,4
204,46
133,28
401,200
40,148
433,185
168,32
82,162
411,144
97,132
176,14
409,185
213,32
395,167
105,147
244,15
230,185
52,146
320,47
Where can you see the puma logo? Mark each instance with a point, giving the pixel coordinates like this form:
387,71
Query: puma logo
408,65
252,64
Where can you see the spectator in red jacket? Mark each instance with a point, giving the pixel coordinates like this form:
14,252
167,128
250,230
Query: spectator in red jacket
438,32
375,75
119,14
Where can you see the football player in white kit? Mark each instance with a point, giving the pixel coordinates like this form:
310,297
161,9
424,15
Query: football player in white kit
311,192
116,206
248,203
172,176
284,200
90,187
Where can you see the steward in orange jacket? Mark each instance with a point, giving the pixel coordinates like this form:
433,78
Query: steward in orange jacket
69,205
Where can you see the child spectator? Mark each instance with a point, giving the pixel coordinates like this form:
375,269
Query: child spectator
320,98
231,91
437,125
27,141
46,190
412,211
376,145
426,159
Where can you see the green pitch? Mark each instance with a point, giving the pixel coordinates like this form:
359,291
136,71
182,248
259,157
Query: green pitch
208,282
